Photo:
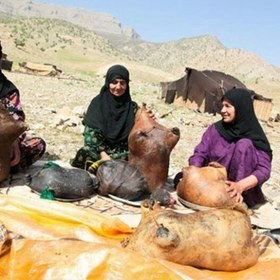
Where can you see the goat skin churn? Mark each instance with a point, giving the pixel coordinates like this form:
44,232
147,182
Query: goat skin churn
150,145
119,178
216,239
64,183
205,186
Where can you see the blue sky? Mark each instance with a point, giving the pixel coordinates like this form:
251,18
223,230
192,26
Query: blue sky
252,25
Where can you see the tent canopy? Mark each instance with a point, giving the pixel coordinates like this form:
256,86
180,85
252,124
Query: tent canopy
203,90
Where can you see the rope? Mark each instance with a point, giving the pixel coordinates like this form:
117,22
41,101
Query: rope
93,166
211,79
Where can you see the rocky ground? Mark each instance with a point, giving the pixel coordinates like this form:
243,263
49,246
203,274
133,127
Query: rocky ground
54,109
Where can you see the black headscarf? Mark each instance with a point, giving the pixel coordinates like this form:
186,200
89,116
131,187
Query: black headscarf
6,86
113,115
245,123
1,50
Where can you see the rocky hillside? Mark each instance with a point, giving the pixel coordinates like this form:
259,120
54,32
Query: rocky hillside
203,52
100,22
81,42
75,50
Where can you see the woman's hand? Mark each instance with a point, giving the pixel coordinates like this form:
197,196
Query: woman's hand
104,156
235,190
15,154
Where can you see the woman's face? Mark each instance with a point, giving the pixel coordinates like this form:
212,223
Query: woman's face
228,112
117,87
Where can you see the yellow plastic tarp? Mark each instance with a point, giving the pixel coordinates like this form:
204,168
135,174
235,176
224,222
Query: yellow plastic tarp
55,240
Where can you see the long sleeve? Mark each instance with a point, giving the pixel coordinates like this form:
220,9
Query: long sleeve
13,104
212,147
96,143
201,154
263,168
94,139
199,157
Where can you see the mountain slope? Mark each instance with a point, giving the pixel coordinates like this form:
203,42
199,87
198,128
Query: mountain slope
100,22
202,52
75,48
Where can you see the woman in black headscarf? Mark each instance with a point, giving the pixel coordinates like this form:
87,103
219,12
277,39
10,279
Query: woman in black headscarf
25,150
239,143
108,121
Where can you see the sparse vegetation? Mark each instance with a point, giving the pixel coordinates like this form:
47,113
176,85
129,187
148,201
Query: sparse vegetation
19,42
80,51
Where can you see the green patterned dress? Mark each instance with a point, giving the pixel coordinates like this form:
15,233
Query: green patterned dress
94,144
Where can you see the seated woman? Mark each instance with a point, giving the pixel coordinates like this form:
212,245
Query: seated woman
239,143
25,150
108,122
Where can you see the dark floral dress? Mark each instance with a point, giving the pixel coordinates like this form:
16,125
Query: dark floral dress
31,149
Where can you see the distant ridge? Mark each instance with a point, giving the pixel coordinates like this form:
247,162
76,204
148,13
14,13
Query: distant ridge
100,22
